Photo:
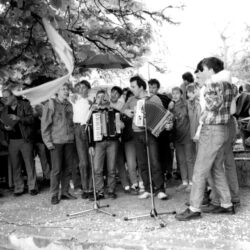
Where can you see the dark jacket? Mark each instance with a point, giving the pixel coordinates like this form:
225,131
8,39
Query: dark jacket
24,111
181,122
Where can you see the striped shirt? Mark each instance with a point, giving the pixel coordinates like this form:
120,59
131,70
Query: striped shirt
218,97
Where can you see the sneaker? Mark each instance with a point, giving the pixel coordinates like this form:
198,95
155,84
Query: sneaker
127,189
188,215
141,187
71,184
145,195
134,189
112,195
181,187
162,196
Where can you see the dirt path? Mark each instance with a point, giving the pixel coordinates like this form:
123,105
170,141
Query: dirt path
28,222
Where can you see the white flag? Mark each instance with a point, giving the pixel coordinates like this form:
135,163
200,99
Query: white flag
43,92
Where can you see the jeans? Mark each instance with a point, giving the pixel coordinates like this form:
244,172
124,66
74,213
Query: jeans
82,147
61,159
41,149
185,156
109,149
230,167
141,153
20,148
229,164
130,153
210,157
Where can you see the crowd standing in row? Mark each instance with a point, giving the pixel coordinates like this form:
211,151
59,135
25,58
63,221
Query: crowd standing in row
202,136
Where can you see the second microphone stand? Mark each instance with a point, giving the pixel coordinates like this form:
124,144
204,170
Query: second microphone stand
153,212
96,206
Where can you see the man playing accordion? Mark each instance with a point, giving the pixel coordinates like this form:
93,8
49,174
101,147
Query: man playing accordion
106,128
138,87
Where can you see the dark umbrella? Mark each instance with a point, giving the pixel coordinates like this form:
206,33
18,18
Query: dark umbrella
105,61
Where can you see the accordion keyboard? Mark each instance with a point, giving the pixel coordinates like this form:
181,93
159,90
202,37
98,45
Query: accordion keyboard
97,125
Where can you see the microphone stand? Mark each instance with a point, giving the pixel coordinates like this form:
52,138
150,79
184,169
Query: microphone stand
96,204
153,212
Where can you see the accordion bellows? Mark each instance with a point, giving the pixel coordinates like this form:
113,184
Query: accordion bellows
157,118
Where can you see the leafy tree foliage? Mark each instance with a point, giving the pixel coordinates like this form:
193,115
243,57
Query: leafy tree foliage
89,26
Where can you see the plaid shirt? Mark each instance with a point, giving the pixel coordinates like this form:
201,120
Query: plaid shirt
218,97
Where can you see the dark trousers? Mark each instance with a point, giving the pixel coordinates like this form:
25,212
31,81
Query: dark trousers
109,149
141,153
120,165
41,149
61,159
76,176
20,148
82,147
165,152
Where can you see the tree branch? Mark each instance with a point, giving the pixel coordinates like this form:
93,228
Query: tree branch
23,49
78,14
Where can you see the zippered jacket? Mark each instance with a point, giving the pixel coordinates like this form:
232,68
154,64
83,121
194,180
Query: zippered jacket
57,123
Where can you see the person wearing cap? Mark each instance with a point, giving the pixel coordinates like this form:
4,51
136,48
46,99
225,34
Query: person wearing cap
81,107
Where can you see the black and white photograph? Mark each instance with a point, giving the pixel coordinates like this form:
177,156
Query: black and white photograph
124,125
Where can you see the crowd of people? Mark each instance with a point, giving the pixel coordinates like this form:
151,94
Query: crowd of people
201,136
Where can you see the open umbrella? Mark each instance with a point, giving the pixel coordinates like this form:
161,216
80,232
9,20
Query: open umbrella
105,61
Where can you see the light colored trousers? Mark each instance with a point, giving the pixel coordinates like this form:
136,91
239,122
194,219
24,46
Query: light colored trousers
210,158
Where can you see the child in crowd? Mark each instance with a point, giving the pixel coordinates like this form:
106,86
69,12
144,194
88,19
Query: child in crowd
182,139
194,112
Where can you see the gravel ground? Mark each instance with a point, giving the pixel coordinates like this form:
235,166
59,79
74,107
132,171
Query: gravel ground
31,222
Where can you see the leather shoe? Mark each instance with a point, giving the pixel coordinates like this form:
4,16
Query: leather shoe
54,200
222,210
188,215
33,192
112,195
210,208
85,195
68,196
99,196
18,193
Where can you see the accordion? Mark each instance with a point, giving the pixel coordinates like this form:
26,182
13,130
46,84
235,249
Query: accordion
157,117
105,123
